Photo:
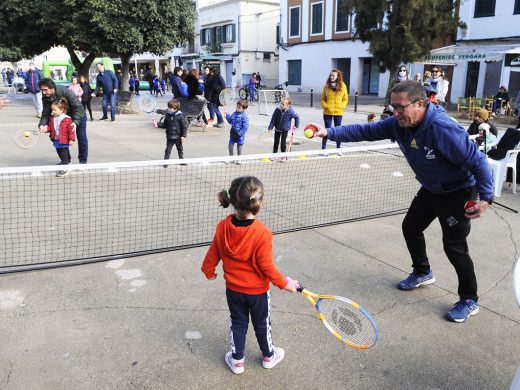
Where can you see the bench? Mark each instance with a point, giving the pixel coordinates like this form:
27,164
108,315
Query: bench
124,101
192,109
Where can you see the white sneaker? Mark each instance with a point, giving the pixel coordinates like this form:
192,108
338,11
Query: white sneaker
237,366
277,357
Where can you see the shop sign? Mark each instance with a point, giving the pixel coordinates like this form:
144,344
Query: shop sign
459,57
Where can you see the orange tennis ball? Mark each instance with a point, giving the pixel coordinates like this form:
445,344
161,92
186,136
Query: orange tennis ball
309,131
469,203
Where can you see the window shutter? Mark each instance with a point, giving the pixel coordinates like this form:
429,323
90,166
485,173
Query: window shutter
234,39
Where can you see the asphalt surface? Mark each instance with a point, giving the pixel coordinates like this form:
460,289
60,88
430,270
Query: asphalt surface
154,322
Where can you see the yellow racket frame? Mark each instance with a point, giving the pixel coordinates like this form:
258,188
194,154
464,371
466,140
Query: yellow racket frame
311,297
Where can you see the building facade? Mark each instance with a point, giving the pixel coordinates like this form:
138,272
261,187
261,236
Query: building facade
486,54
315,37
240,37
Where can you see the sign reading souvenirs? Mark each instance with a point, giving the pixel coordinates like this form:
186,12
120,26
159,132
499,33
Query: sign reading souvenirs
460,57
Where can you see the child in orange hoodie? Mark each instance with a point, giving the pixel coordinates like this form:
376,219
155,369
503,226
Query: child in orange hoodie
245,246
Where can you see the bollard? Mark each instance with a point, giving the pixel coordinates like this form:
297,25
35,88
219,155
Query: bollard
312,97
355,101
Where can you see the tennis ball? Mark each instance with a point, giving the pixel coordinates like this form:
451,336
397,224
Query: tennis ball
309,131
469,203
26,134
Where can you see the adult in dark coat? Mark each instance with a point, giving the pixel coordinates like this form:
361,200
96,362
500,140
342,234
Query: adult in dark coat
481,116
52,92
215,87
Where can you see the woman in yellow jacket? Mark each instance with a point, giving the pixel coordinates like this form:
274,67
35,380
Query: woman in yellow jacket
334,99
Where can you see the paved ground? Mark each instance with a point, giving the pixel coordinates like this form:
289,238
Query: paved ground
154,322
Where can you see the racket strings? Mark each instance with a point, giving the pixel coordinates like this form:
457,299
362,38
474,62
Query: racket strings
352,324
227,96
26,138
147,104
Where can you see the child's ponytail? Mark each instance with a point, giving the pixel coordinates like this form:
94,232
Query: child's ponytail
224,199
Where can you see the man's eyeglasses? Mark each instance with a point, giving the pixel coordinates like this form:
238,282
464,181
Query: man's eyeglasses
400,109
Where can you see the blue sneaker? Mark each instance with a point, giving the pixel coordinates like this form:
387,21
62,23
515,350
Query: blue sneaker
416,279
462,310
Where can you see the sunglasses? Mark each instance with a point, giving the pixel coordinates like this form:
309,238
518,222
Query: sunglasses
436,71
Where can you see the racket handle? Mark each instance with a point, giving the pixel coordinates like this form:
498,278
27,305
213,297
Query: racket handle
299,288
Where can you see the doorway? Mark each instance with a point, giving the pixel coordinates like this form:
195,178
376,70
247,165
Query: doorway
343,64
370,77
472,79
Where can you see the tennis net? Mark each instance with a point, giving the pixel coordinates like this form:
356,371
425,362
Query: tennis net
106,211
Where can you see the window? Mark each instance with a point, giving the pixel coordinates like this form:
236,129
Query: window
517,7
342,16
294,70
484,8
206,36
317,18
294,22
218,34
229,35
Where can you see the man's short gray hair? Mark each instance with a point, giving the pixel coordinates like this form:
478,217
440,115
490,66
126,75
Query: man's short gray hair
413,89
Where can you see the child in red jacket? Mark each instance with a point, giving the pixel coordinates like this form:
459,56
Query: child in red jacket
61,132
245,246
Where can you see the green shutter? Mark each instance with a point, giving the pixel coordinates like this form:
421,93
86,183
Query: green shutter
234,39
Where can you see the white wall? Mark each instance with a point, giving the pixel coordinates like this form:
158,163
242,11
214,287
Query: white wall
317,58
255,23
503,24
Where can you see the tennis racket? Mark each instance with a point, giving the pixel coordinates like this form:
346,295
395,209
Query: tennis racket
147,103
226,97
345,319
293,130
26,139
516,281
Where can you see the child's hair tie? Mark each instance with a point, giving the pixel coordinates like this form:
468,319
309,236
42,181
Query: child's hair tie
256,196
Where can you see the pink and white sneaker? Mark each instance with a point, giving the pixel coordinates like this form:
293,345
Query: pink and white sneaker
277,357
237,366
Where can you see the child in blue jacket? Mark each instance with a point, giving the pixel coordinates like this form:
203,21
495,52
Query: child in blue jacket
157,86
239,125
281,122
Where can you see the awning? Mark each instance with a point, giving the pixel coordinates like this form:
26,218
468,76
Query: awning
471,52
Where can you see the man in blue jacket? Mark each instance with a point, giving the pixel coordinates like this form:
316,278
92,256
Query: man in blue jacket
32,78
451,171
107,81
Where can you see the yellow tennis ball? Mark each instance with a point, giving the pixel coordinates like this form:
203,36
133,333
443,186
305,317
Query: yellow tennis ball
26,134
302,157
308,133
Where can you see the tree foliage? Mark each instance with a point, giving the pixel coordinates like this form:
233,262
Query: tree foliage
402,31
94,27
